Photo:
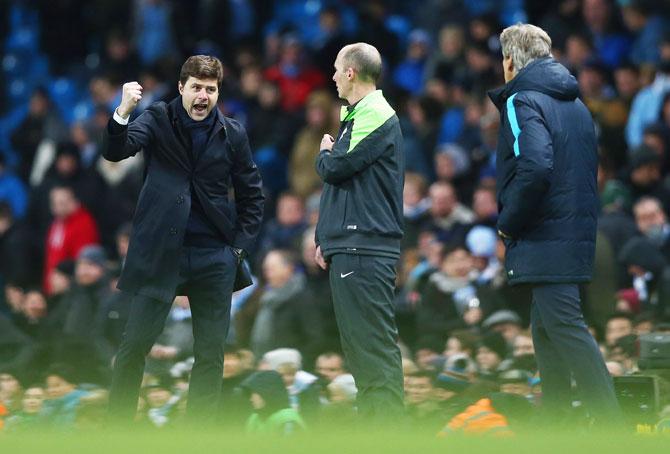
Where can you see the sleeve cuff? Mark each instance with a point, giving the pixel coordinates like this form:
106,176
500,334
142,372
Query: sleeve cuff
119,119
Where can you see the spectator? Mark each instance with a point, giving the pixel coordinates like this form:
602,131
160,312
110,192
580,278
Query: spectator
618,325
302,173
415,205
154,32
460,342
175,343
42,125
330,366
285,316
647,27
342,396
234,407
448,218
16,348
522,345
30,417
12,190
34,311
73,228
485,206
10,392
161,402
421,407
627,83
562,20
448,62
646,267
410,73
84,344
295,78
331,38
63,397
505,322
652,222
491,352
449,300
647,105
15,251
285,230
303,388
644,323
272,412
482,242
610,41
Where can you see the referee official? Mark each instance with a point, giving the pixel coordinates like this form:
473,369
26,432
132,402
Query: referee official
360,228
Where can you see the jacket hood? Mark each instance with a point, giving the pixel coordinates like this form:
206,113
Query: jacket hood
545,75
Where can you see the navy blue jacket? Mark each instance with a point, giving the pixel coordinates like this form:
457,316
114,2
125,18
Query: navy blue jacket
173,177
546,176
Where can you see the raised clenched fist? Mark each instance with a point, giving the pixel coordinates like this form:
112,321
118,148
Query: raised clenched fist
132,93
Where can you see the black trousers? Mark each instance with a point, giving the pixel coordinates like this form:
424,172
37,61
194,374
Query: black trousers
564,349
363,290
206,277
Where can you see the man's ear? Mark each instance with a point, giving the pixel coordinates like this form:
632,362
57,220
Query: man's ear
180,87
350,73
510,66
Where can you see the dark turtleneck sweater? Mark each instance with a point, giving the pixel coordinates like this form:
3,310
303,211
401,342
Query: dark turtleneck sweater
200,231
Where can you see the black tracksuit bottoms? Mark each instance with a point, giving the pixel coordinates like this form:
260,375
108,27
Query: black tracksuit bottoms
363,293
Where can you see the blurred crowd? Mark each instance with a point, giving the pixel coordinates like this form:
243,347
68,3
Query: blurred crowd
65,212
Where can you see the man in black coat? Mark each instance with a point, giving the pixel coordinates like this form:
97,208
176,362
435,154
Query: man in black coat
548,207
188,238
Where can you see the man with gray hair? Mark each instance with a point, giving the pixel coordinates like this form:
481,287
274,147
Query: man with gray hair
548,206
360,227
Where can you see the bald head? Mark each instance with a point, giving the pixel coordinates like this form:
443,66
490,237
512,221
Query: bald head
364,59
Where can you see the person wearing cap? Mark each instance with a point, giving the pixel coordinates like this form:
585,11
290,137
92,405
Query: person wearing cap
360,229
72,228
505,322
188,237
491,352
269,398
481,242
548,203
82,341
646,175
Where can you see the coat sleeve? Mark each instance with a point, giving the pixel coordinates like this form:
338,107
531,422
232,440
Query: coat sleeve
249,198
340,165
534,156
123,141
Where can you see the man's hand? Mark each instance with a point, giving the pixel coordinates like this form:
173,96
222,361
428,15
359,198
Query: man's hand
319,259
327,143
132,93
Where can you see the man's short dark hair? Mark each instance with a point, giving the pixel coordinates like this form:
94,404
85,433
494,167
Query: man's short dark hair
201,67
364,59
65,371
65,187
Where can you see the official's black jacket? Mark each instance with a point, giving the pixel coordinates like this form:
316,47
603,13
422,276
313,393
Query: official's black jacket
361,202
152,265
